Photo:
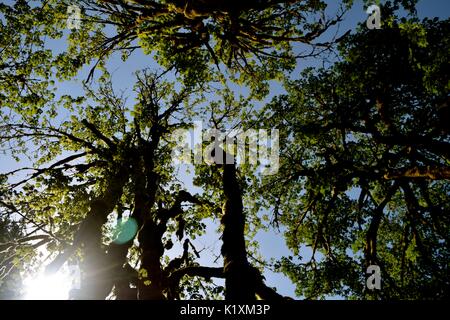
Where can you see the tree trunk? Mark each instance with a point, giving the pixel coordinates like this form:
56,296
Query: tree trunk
97,282
240,277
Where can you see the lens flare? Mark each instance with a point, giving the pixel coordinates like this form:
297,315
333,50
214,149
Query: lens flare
48,287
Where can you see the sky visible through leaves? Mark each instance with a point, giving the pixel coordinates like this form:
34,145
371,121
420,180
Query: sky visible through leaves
271,243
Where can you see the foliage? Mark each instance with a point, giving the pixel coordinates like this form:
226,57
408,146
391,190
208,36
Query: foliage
364,148
365,166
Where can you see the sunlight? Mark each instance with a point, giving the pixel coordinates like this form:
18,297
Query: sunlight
48,287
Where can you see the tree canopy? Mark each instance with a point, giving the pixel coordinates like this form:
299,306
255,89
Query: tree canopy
366,165
364,149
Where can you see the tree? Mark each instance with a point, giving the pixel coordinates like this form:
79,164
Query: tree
364,148
252,39
114,169
85,158
365,165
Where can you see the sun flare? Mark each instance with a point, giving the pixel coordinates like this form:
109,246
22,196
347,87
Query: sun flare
48,287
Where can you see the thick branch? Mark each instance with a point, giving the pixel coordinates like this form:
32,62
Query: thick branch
428,172
372,232
197,271
98,134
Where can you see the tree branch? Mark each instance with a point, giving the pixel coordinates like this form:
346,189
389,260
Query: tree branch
99,135
197,271
428,172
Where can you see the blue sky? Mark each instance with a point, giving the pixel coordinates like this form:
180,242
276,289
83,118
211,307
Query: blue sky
271,243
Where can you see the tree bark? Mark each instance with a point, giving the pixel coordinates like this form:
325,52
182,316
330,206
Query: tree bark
97,282
240,277
433,173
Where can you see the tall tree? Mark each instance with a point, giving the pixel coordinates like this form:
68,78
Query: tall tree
365,165
111,165
365,150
